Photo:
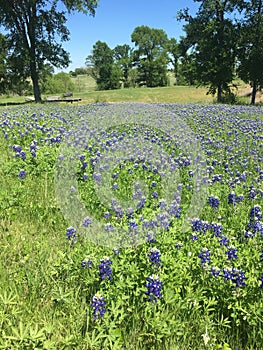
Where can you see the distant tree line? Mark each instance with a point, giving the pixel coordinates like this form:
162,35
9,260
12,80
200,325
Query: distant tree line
222,41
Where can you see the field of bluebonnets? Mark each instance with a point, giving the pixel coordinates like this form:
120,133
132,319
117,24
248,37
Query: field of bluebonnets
131,226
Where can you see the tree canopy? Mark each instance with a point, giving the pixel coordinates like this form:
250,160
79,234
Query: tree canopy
35,30
211,43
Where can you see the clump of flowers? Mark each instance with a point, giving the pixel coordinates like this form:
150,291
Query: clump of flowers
213,201
22,174
236,276
231,253
71,234
105,269
98,304
204,256
155,257
154,287
255,224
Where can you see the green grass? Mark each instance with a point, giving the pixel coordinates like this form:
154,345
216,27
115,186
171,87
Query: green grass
170,94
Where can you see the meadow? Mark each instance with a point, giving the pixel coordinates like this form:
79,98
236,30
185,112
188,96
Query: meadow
131,226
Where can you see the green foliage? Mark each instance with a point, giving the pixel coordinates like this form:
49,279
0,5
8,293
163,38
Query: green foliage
210,43
150,56
34,29
250,50
45,293
105,72
123,57
58,83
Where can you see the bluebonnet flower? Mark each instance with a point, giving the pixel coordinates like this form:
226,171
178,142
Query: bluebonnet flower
217,228
23,155
105,269
133,226
227,273
97,177
150,237
86,263
234,275
155,194
154,287
17,148
213,201
175,210
258,227
231,253
107,215
84,166
71,233
22,174
85,176
240,198
252,192
155,256
223,240
204,256
232,198
87,222
215,271
261,279
255,213
129,213
162,203
194,237
98,304
197,224
108,227
249,234
115,186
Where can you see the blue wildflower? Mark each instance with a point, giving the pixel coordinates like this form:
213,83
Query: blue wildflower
87,222
86,263
105,269
154,287
71,233
150,237
223,240
213,201
98,304
204,256
231,253
155,256
194,237
22,174
215,271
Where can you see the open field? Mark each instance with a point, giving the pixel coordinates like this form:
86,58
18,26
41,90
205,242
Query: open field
172,94
169,94
132,226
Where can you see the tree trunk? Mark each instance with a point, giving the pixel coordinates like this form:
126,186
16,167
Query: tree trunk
219,93
254,92
34,75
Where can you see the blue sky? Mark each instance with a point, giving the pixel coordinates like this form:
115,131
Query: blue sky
115,21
